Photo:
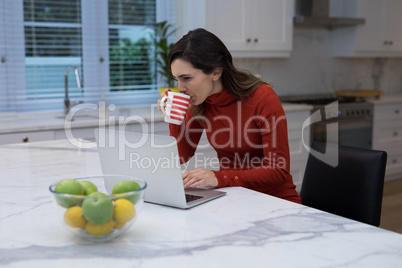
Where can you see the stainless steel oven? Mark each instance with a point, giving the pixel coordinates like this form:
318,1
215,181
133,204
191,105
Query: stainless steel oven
355,124
354,118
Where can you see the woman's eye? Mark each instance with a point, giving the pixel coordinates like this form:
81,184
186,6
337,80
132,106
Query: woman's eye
185,78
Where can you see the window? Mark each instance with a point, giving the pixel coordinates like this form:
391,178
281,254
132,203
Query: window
107,40
53,40
130,54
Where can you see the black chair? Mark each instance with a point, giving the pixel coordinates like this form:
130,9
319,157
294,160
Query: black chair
353,189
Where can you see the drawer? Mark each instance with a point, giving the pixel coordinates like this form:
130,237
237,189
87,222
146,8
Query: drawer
23,137
387,134
295,120
83,133
394,164
389,111
160,128
296,146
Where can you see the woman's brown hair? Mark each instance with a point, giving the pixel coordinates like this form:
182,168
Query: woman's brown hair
205,51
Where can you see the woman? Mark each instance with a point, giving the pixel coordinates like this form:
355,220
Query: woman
242,116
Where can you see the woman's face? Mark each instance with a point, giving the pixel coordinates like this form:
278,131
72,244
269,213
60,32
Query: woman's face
194,82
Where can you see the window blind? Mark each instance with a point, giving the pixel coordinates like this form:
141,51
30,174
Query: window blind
108,40
53,41
130,51
4,106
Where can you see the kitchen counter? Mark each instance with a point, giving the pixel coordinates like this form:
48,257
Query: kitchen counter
87,117
242,229
387,99
24,122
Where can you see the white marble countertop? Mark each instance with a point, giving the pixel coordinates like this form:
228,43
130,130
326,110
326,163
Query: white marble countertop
242,229
87,117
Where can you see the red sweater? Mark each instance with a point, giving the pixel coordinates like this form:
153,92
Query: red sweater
250,138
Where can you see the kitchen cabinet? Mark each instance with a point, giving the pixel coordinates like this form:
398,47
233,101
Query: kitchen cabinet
24,137
298,153
387,135
249,28
161,128
32,136
77,133
378,37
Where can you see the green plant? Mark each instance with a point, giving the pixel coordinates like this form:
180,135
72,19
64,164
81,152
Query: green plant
163,31
130,64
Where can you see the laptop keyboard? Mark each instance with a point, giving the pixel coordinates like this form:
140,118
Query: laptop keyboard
191,197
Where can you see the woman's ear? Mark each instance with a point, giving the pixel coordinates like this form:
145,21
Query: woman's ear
217,73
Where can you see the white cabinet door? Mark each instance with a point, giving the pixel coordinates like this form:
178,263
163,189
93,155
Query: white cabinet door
229,26
75,133
379,36
271,24
373,12
24,137
249,28
392,28
387,136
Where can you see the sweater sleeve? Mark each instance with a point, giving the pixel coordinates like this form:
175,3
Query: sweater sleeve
271,172
187,135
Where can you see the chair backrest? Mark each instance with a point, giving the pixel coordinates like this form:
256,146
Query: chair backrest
353,189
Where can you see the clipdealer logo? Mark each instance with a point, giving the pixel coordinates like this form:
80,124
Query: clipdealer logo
330,156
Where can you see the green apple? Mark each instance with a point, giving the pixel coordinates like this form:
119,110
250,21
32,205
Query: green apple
125,187
88,187
97,208
98,193
69,186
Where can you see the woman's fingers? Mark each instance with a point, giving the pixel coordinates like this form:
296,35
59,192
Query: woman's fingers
192,180
163,94
199,177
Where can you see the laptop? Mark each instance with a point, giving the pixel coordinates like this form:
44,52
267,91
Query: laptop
153,158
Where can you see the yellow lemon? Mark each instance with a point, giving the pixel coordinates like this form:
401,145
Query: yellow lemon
99,229
124,211
118,225
73,217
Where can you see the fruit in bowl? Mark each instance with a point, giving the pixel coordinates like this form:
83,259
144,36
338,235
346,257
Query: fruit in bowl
99,208
126,187
69,187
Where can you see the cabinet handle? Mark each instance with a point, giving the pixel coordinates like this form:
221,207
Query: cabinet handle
397,111
391,43
25,139
394,161
248,40
3,59
396,133
256,40
385,42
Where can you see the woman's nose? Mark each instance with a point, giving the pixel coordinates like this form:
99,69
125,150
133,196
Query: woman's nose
182,88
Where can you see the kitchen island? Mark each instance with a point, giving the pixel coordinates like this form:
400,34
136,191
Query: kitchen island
242,229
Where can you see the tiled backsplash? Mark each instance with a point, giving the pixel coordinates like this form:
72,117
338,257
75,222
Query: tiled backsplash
312,68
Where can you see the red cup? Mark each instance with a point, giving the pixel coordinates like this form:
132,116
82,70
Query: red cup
175,107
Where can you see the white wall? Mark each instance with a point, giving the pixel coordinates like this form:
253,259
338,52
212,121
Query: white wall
312,68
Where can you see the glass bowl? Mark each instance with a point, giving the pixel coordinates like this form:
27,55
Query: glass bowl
99,216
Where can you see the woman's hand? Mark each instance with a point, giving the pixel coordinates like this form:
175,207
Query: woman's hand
163,94
199,177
